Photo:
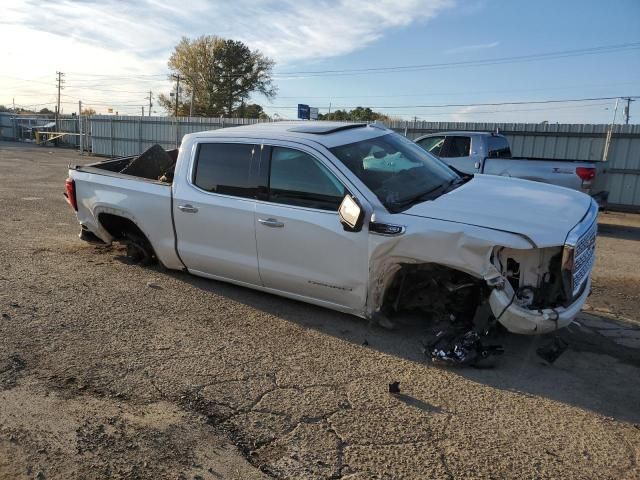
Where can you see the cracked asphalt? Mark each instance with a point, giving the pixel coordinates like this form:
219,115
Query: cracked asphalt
112,370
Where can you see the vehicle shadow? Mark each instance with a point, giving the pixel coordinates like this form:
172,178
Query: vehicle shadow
623,232
595,373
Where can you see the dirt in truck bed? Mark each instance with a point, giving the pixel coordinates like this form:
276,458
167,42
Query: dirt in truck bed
112,370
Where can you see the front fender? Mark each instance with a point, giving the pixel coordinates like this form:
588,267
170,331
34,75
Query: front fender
458,246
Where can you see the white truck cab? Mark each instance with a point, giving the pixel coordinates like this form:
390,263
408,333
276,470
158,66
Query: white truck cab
352,217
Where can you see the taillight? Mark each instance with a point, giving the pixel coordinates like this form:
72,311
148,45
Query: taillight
586,173
70,193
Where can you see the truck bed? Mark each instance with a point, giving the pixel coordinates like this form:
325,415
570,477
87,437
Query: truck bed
153,164
557,172
137,188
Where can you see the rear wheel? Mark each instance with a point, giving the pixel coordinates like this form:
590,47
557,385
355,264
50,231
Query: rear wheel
138,249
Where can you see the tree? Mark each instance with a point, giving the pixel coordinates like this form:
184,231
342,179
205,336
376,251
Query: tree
251,111
359,114
4,109
88,111
221,74
46,111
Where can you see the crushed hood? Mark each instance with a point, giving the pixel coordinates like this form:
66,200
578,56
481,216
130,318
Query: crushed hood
543,213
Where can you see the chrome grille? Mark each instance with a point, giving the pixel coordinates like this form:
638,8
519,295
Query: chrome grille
583,257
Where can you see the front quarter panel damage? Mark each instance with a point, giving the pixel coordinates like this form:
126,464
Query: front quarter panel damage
461,247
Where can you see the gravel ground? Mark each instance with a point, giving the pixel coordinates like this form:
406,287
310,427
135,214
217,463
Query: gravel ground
111,370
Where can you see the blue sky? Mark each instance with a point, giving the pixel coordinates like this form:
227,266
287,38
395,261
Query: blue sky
115,51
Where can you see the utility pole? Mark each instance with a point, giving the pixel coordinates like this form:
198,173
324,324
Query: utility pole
60,82
15,129
627,110
177,94
142,110
150,105
80,126
191,104
607,141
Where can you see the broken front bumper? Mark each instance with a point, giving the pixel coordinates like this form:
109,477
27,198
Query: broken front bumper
534,322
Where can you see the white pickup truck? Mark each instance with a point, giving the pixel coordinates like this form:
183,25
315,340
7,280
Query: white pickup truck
490,153
352,217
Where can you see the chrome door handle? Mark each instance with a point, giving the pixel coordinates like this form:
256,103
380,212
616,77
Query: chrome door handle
187,208
271,222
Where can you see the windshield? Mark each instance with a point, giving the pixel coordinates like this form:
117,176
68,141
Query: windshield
398,171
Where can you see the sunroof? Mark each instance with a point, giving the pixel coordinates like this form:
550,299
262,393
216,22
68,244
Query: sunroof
320,129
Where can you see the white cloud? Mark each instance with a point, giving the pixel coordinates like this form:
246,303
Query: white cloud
113,37
310,30
471,48
464,114
287,30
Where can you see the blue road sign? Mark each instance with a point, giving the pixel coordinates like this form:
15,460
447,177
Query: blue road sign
304,111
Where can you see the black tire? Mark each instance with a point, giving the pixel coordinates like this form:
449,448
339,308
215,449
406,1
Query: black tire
138,249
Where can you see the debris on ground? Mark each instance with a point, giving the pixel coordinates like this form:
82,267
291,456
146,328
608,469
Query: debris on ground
552,351
394,388
461,349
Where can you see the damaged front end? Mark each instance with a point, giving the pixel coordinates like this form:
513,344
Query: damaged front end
535,298
463,278
546,288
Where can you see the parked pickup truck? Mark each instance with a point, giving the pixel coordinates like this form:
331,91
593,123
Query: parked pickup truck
489,153
352,217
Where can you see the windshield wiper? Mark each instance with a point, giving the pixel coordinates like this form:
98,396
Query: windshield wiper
428,195
456,182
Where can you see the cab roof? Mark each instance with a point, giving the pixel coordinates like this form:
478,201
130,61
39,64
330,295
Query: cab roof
328,134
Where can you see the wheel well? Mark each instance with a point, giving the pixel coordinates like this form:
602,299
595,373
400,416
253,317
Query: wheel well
118,226
436,290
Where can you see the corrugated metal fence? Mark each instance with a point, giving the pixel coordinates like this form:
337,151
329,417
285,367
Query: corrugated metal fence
127,135
620,175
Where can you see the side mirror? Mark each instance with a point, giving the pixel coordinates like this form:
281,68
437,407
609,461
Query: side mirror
351,214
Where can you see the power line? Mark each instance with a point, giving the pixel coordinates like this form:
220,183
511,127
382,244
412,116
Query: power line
433,94
72,87
413,67
24,79
490,104
451,105
84,74
514,110
470,63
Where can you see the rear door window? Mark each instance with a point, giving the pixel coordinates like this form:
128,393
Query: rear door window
296,178
498,147
456,146
433,145
225,168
